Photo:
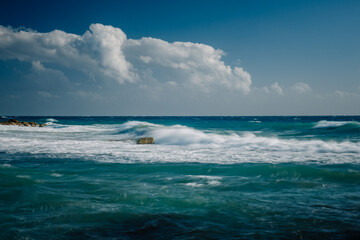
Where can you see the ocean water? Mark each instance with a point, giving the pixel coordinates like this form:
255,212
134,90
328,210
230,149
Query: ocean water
205,178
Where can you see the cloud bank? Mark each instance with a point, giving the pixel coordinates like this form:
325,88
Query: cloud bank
104,52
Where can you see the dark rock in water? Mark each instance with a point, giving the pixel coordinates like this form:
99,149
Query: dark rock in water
33,124
146,140
13,121
18,123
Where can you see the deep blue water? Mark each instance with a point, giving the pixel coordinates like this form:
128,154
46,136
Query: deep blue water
204,178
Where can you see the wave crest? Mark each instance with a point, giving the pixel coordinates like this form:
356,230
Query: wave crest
180,135
174,143
334,124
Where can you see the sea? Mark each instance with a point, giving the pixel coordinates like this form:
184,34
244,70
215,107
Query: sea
251,177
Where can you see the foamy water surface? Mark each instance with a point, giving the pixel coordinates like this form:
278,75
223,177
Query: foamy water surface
204,178
175,143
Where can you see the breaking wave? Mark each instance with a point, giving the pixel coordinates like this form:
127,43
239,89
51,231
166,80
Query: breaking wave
334,124
51,120
174,143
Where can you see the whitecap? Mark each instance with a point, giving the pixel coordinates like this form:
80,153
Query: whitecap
214,183
255,121
133,124
51,120
206,177
176,144
56,175
327,124
23,176
194,184
183,135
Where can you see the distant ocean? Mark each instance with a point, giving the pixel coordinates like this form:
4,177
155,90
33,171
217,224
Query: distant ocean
204,178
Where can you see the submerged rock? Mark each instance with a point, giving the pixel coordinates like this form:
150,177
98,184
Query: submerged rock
146,140
18,123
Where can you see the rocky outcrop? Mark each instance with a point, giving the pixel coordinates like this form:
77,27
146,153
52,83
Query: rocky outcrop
146,140
18,123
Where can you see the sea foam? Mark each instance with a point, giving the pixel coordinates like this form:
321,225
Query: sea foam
174,143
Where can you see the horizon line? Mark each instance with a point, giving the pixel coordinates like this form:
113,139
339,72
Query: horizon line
3,116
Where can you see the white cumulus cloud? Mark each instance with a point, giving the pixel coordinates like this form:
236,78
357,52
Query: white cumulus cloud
301,87
276,88
106,52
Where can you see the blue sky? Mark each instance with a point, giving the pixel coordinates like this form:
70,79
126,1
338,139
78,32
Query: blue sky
180,58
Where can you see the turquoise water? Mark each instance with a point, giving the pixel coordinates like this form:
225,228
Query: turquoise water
205,178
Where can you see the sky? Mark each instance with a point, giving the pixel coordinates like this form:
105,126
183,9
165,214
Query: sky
237,58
